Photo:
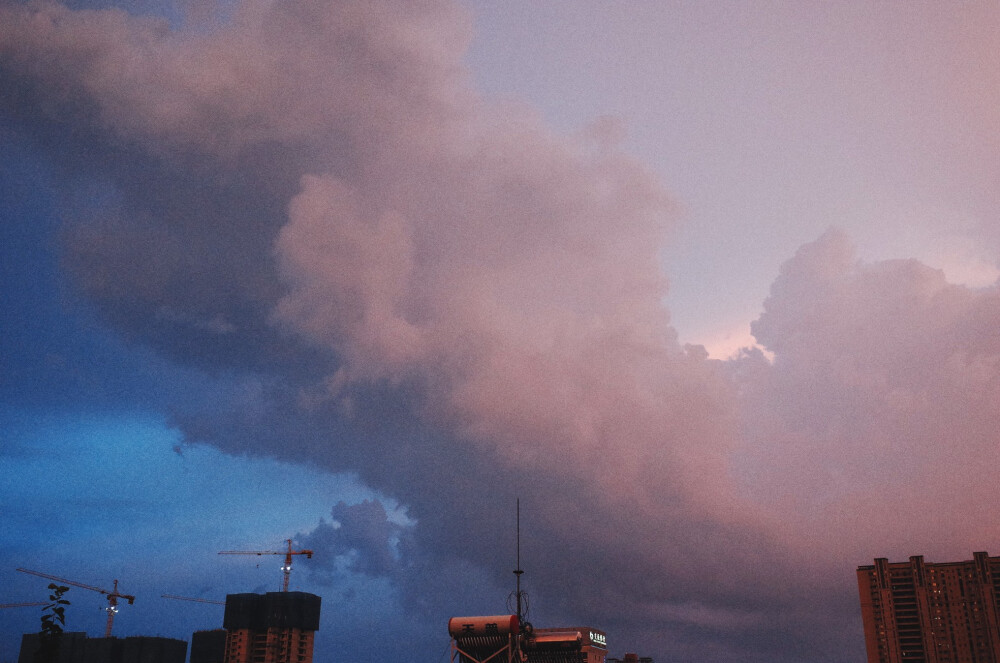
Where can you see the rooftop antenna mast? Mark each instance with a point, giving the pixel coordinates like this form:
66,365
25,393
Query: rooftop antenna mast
524,627
519,571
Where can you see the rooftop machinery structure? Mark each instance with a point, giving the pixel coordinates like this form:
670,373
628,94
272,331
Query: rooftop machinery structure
512,639
500,639
494,639
287,568
112,594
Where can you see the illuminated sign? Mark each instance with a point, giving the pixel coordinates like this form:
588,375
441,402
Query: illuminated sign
599,639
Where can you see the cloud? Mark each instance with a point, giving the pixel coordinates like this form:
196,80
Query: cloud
386,275
884,391
310,197
362,533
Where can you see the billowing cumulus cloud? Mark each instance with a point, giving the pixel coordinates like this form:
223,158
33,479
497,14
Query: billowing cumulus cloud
361,535
384,274
882,401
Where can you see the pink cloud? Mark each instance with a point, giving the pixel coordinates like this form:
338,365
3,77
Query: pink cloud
881,405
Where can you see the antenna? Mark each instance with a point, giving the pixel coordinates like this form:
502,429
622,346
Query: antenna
519,571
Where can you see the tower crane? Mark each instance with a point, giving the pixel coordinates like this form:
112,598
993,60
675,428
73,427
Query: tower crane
113,595
287,568
188,598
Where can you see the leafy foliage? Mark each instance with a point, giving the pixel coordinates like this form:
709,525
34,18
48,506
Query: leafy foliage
53,620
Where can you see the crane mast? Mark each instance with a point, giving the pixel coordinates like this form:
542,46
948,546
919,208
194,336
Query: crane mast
113,595
286,569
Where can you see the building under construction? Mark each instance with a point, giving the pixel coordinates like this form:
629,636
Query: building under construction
277,627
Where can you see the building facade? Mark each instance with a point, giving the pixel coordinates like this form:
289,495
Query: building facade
578,644
277,627
208,646
71,648
920,612
78,648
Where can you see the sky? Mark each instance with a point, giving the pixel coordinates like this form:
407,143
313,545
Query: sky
711,288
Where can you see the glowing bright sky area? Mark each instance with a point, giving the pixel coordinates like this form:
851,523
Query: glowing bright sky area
362,273
769,125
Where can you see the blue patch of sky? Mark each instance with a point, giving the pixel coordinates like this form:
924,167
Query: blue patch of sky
53,348
94,497
129,474
199,15
94,485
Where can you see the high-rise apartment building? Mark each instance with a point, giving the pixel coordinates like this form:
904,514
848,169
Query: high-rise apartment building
919,612
276,627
